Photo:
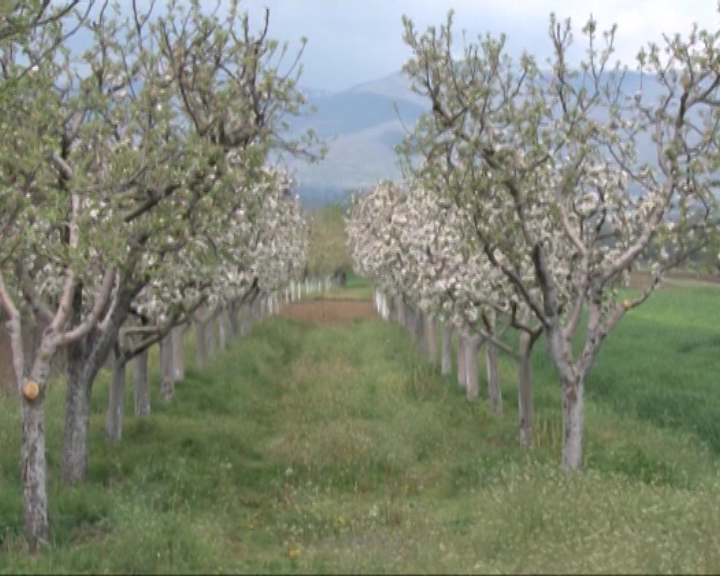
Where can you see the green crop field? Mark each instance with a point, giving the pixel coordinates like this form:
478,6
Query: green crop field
336,449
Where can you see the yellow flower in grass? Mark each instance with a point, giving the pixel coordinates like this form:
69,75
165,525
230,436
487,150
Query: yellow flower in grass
293,551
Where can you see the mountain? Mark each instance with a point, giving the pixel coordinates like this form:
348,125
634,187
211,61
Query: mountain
363,124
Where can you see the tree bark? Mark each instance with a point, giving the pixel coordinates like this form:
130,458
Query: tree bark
201,343
461,373
167,371
141,384
400,305
245,320
77,419
421,332
491,365
431,330
525,391
178,347
116,399
32,452
472,349
572,453
210,337
222,331
446,354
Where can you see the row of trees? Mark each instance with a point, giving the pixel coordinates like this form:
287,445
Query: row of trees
535,196
136,198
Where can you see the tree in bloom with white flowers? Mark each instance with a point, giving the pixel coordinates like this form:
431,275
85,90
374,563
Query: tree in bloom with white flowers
128,166
547,164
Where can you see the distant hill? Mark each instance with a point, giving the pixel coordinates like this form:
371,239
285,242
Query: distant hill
363,124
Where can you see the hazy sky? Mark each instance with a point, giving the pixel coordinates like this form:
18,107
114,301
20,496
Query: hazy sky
352,41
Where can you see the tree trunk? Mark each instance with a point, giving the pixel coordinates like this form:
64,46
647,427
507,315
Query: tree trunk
572,424
461,373
400,305
37,526
116,399
494,394
222,331
141,384
167,371
201,343
472,349
431,331
421,333
446,358
211,337
33,461
525,391
232,319
77,422
178,346
410,321
245,320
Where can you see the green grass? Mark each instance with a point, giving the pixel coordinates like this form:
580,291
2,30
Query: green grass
338,443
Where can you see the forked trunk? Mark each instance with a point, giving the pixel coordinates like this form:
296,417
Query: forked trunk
167,371
410,321
116,399
572,397
446,359
472,349
431,329
461,372
525,391
141,384
178,346
493,378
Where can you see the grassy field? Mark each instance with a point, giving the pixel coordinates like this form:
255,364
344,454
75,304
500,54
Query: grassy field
318,448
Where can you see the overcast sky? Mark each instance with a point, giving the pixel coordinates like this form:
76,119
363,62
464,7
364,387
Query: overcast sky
353,41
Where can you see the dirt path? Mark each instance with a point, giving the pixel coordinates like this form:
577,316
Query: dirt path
335,311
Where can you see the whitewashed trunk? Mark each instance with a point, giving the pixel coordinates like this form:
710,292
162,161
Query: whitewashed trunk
116,400
167,371
446,354
472,349
178,345
493,378
141,384
461,373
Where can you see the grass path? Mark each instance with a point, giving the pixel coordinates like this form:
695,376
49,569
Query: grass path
332,448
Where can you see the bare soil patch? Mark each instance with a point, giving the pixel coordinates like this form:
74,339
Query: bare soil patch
335,311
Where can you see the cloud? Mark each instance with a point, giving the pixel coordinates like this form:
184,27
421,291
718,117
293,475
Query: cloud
352,41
